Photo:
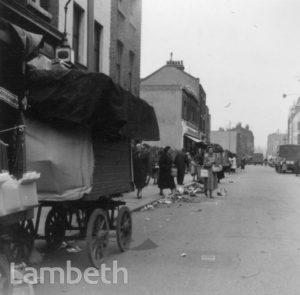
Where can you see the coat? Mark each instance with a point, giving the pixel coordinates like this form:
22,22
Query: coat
181,161
211,183
165,180
141,168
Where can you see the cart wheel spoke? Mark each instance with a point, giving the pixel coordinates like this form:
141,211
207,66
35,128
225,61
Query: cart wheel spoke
97,237
55,228
124,229
18,249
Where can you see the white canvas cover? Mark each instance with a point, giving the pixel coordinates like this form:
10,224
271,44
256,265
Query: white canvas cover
63,156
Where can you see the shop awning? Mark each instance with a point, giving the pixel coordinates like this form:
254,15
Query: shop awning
195,139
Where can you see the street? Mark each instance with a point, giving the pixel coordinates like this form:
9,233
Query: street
247,242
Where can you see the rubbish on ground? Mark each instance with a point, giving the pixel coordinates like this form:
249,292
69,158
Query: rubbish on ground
183,255
147,218
222,192
168,219
72,249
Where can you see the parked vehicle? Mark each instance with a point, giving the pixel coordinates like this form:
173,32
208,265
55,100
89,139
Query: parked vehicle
258,159
287,155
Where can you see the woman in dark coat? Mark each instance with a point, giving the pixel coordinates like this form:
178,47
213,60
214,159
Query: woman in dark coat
141,168
165,180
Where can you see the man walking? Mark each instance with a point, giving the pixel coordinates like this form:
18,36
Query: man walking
181,161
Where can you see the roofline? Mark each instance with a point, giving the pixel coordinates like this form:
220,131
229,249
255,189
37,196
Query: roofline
147,77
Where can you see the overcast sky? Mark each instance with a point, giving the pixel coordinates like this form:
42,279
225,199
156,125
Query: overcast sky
245,52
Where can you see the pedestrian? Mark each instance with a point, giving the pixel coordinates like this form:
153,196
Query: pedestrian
198,163
189,162
141,168
233,164
297,170
243,163
283,166
165,179
211,182
181,162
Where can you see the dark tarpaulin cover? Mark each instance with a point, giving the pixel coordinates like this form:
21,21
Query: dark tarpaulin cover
90,99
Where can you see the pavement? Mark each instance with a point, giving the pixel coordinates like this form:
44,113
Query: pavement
150,195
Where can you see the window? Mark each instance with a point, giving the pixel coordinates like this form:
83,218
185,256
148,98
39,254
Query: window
298,138
184,115
299,126
40,6
77,22
119,62
131,70
44,4
97,46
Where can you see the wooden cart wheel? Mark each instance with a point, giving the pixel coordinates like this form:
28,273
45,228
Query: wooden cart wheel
55,228
97,237
19,248
124,229
5,285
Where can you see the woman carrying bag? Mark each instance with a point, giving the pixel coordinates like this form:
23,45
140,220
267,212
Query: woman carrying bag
212,165
166,175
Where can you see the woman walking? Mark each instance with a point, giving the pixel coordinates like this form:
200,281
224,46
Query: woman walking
211,182
141,168
165,179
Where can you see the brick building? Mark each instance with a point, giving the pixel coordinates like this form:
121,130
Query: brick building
274,140
179,101
239,140
294,124
125,45
105,35
35,16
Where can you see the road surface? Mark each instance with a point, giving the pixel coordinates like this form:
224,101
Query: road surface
247,242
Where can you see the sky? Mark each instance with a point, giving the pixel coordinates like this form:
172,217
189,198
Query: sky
246,54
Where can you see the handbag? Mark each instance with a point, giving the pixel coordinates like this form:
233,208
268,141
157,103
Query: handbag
174,172
216,168
204,173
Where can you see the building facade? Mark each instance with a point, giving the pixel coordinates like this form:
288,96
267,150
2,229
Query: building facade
38,16
179,101
105,35
274,140
238,140
125,44
294,124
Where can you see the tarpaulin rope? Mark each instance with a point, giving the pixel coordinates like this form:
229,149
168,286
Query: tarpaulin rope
13,128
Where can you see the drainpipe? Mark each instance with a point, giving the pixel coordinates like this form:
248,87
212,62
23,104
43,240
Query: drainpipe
90,36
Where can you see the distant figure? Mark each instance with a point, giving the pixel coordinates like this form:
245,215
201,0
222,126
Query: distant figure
211,182
141,168
181,162
297,162
243,163
283,166
165,179
233,164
